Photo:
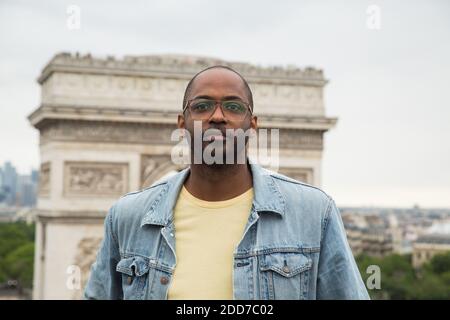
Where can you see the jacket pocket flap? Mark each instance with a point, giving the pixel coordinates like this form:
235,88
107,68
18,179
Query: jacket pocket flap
286,264
133,266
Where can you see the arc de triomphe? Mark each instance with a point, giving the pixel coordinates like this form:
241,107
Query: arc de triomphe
105,129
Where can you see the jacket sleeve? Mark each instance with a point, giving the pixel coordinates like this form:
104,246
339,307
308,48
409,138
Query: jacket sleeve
338,275
104,282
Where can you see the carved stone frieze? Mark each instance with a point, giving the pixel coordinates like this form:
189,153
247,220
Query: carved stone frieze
44,180
88,179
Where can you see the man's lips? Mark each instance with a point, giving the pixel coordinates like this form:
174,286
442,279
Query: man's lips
217,137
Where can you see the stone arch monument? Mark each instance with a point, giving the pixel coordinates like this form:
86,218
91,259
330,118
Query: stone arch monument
105,127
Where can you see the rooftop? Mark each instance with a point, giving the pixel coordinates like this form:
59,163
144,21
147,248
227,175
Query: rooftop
178,65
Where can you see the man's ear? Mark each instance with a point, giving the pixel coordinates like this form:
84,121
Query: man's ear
181,122
254,123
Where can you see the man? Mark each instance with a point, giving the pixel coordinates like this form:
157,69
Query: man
226,229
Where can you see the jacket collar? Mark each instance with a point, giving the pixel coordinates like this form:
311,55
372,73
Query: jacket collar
267,196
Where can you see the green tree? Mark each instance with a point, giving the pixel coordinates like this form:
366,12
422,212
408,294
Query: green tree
440,263
12,236
16,240
399,280
19,265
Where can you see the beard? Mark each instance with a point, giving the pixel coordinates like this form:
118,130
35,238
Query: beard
220,146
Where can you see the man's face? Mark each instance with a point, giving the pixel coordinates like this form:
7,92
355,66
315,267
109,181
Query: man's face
218,84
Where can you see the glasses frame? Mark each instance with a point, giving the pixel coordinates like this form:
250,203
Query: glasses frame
220,102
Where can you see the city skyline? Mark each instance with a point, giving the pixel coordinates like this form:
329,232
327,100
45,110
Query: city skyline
17,189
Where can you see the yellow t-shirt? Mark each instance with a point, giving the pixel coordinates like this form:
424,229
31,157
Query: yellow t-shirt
206,235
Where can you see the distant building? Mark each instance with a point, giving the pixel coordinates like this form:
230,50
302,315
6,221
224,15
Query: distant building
35,176
427,246
381,231
17,190
14,214
370,241
26,191
434,241
2,189
25,214
8,214
369,234
9,183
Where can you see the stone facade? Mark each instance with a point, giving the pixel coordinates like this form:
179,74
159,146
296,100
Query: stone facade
427,246
105,129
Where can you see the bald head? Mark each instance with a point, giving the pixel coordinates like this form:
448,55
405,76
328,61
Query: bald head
212,79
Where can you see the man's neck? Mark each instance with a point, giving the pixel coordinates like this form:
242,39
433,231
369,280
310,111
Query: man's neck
218,182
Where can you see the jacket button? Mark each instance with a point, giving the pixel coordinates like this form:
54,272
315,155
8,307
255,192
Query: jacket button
286,269
164,280
129,280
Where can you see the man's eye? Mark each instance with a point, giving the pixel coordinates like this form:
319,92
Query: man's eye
201,106
234,106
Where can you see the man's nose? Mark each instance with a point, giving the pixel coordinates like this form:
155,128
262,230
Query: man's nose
218,115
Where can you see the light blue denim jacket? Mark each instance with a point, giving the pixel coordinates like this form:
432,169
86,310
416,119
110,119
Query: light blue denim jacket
294,245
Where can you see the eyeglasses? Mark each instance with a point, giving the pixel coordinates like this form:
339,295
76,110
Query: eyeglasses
203,109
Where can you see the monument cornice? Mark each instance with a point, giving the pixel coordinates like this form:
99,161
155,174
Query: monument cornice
177,66
48,112
81,217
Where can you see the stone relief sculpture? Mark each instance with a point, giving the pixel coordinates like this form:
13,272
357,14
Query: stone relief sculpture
86,253
99,179
44,180
154,167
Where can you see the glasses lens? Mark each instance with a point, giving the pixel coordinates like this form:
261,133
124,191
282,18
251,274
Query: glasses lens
234,107
202,107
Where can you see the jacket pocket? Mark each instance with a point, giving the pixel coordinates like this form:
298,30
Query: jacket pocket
135,274
284,275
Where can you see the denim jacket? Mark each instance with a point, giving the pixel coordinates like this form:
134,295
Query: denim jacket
294,245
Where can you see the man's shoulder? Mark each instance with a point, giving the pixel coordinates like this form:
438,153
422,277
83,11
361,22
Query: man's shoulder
132,206
144,192
303,203
302,198
298,187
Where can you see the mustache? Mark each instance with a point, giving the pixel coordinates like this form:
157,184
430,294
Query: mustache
212,131
225,132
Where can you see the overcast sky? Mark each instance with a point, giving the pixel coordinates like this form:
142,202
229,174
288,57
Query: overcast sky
389,87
